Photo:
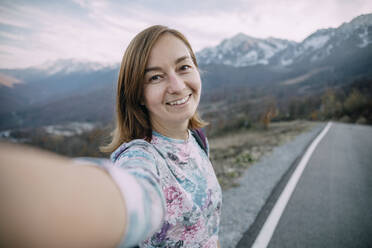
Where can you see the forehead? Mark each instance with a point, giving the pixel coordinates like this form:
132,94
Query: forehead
167,48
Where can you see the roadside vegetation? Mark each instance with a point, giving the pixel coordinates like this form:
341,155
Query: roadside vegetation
232,153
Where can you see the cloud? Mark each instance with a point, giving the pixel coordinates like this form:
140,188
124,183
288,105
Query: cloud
33,32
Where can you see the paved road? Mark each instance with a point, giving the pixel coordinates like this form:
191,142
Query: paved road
332,203
242,204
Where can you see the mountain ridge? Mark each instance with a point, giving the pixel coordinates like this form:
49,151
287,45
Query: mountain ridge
287,52
240,40
326,58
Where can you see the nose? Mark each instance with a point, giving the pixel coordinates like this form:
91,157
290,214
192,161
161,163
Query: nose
176,83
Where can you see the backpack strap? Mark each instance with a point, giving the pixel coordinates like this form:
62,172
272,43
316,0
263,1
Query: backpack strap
201,139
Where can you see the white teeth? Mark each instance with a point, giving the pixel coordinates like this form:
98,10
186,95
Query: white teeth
183,100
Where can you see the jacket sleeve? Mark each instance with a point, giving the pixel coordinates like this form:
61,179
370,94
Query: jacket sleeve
135,173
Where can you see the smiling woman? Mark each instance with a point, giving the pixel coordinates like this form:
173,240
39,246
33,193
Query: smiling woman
149,64
158,94
172,87
159,190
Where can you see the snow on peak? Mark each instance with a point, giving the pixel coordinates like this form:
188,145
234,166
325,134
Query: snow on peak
365,39
227,45
360,21
316,42
240,37
242,50
68,66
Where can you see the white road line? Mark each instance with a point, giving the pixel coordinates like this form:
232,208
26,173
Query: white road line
271,222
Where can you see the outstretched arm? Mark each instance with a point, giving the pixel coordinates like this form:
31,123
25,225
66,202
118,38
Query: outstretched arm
48,201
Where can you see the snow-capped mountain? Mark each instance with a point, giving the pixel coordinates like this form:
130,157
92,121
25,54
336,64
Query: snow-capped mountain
243,50
60,67
70,90
326,45
52,81
312,46
68,66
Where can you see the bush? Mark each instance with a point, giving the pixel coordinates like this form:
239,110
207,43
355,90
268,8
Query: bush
354,102
362,120
345,119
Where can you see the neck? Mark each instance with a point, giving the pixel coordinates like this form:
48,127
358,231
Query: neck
174,132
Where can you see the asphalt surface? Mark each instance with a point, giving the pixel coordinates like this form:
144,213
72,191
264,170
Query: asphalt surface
331,205
242,205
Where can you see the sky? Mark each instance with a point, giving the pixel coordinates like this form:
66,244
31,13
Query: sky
36,32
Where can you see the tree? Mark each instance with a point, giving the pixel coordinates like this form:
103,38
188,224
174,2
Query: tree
331,107
354,102
269,114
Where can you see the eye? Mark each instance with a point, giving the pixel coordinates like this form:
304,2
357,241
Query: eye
155,78
185,67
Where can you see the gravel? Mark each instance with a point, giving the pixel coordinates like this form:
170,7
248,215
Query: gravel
242,204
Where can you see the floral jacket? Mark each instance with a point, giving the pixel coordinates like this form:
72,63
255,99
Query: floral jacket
183,173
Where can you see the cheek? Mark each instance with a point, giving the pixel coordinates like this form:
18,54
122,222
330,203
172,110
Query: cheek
152,96
146,96
197,84
194,81
198,80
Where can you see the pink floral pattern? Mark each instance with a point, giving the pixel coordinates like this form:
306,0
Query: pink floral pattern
191,191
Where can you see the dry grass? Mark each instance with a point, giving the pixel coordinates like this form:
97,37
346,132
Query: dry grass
233,153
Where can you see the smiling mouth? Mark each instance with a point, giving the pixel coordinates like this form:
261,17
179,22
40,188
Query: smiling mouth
180,102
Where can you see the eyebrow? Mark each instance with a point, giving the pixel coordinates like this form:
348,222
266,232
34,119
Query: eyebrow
157,68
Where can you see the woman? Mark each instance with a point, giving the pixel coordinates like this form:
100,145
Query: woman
170,194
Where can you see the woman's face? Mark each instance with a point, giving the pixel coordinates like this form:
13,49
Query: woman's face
172,84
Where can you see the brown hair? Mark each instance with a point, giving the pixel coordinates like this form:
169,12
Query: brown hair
132,118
